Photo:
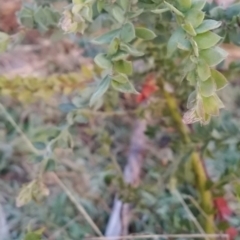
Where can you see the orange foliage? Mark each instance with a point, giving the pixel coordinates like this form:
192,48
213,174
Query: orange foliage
148,88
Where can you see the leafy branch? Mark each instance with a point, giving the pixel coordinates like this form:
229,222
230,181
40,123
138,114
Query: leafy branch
195,36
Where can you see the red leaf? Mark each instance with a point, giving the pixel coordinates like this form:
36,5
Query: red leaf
223,210
224,213
148,88
140,98
232,232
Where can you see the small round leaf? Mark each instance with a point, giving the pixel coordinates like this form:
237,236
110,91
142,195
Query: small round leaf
207,40
213,56
123,66
145,33
203,70
208,87
219,79
102,61
195,17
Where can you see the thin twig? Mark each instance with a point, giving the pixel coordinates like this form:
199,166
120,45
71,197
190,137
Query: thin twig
77,205
165,236
18,129
188,211
195,203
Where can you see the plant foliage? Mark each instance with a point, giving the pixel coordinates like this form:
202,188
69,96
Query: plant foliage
180,42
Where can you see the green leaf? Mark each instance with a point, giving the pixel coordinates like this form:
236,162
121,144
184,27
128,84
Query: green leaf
107,37
76,8
219,79
135,13
45,17
232,10
100,5
191,102
160,11
123,66
127,32
208,87
118,13
198,4
193,58
184,44
113,47
121,78
234,37
176,37
195,17
145,33
207,40
186,4
41,18
203,70
189,29
27,22
33,236
208,25
77,1
122,84
189,65
195,47
4,40
124,4
120,55
25,16
87,13
102,61
212,105
129,49
101,89
36,235
88,1
192,78
218,13
175,10
204,117
200,108
213,56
